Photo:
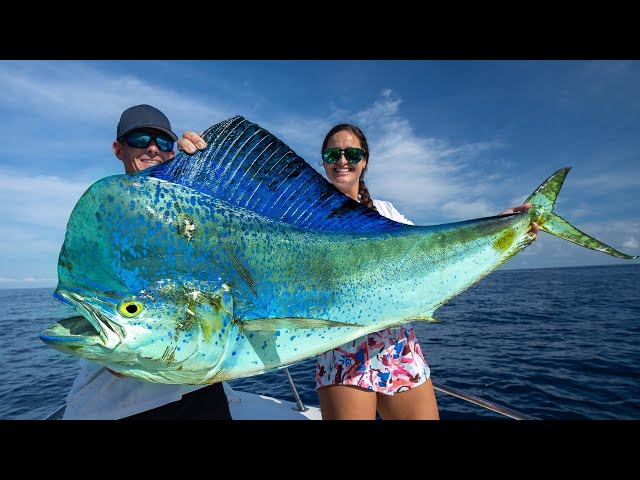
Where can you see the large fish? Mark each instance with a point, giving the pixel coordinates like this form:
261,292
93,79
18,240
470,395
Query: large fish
242,258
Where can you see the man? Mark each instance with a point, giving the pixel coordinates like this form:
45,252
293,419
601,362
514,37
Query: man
143,138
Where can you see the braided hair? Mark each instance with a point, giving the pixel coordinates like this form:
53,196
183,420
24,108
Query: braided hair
363,191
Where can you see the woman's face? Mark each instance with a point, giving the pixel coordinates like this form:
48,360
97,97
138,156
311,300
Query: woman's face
344,175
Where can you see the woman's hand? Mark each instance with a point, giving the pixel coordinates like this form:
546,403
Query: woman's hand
522,208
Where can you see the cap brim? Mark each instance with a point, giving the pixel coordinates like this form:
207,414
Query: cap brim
154,127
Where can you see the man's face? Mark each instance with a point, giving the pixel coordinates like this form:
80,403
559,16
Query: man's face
136,159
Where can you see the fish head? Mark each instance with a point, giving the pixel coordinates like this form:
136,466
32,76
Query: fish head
170,332
147,307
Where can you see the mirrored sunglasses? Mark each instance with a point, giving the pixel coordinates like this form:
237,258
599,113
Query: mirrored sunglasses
143,139
352,154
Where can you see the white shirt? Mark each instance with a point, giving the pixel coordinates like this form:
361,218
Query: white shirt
386,209
97,394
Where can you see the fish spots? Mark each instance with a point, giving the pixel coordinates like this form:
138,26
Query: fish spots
505,240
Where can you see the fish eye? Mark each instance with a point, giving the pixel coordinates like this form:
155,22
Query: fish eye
130,308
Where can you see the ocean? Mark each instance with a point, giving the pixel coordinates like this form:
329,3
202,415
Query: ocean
553,343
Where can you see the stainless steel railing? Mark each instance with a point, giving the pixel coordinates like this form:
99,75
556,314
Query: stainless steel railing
57,414
508,412
299,405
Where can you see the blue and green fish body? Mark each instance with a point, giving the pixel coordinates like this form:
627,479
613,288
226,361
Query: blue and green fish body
241,259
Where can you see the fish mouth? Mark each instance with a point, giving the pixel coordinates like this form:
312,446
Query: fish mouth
91,327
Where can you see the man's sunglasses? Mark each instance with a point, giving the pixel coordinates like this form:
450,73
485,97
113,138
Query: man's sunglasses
143,139
352,154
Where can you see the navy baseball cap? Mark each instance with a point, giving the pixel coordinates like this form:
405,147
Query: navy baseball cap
143,116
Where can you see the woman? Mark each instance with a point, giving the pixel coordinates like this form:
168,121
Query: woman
383,371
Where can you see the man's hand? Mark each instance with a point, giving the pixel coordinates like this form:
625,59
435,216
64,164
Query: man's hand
189,142
522,208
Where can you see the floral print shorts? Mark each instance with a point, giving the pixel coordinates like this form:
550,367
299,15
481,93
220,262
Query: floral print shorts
389,361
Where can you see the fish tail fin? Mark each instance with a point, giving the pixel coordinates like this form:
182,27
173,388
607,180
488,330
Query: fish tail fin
543,200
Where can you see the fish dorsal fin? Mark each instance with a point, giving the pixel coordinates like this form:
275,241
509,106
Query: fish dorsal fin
246,166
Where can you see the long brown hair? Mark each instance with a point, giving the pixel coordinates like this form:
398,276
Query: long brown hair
363,191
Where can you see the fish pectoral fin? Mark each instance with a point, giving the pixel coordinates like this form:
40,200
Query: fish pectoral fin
424,318
291,323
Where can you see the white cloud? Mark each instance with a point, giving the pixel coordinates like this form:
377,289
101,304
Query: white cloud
466,210
66,89
35,211
82,93
605,181
428,179
37,201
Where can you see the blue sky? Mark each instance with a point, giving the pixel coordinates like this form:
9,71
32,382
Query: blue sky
450,139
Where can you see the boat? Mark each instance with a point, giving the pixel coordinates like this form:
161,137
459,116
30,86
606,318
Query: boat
251,406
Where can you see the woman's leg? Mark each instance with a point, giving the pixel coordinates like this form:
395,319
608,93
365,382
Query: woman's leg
347,402
419,403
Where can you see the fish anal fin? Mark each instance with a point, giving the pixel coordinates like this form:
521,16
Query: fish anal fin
424,318
291,323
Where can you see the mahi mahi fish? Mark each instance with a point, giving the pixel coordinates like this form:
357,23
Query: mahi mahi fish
242,258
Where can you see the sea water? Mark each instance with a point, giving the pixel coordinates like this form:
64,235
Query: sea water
555,343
